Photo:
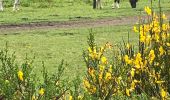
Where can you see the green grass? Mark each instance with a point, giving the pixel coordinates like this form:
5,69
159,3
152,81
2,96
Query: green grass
53,45
75,11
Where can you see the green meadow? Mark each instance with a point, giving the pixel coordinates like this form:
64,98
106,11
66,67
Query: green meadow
119,73
67,10
51,46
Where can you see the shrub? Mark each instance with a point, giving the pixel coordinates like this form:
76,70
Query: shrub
150,67
17,82
22,83
103,77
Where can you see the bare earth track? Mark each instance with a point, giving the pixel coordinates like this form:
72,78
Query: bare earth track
71,24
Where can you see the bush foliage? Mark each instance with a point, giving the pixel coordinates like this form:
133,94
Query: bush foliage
112,71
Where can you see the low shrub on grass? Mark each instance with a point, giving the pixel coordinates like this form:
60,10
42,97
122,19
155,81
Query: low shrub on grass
150,67
103,78
21,82
141,72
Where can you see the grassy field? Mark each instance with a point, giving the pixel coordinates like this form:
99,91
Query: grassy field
140,72
52,46
74,11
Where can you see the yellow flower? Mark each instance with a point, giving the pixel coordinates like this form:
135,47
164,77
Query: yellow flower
146,28
151,56
104,60
20,75
41,91
127,92
138,61
108,76
89,49
136,81
168,34
135,29
128,46
148,10
92,89
102,49
142,38
164,36
160,82
86,83
33,97
154,23
163,93
148,39
127,60
101,67
92,53
157,37
132,72
164,27
161,50
168,44
91,71
70,98
133,85
164,16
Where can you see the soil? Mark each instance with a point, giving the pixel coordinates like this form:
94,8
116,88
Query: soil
71,24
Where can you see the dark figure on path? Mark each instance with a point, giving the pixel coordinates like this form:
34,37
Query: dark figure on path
98,3
133,3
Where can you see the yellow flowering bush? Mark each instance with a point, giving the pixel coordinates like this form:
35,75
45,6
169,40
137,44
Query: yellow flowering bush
112,72
20,83
53,87
16,82
150,67
103,79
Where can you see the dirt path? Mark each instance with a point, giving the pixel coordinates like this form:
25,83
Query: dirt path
71,24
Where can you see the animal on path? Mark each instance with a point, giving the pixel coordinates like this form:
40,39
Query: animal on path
15,5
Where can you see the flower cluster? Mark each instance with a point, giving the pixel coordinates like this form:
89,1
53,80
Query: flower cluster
149,71
101,79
